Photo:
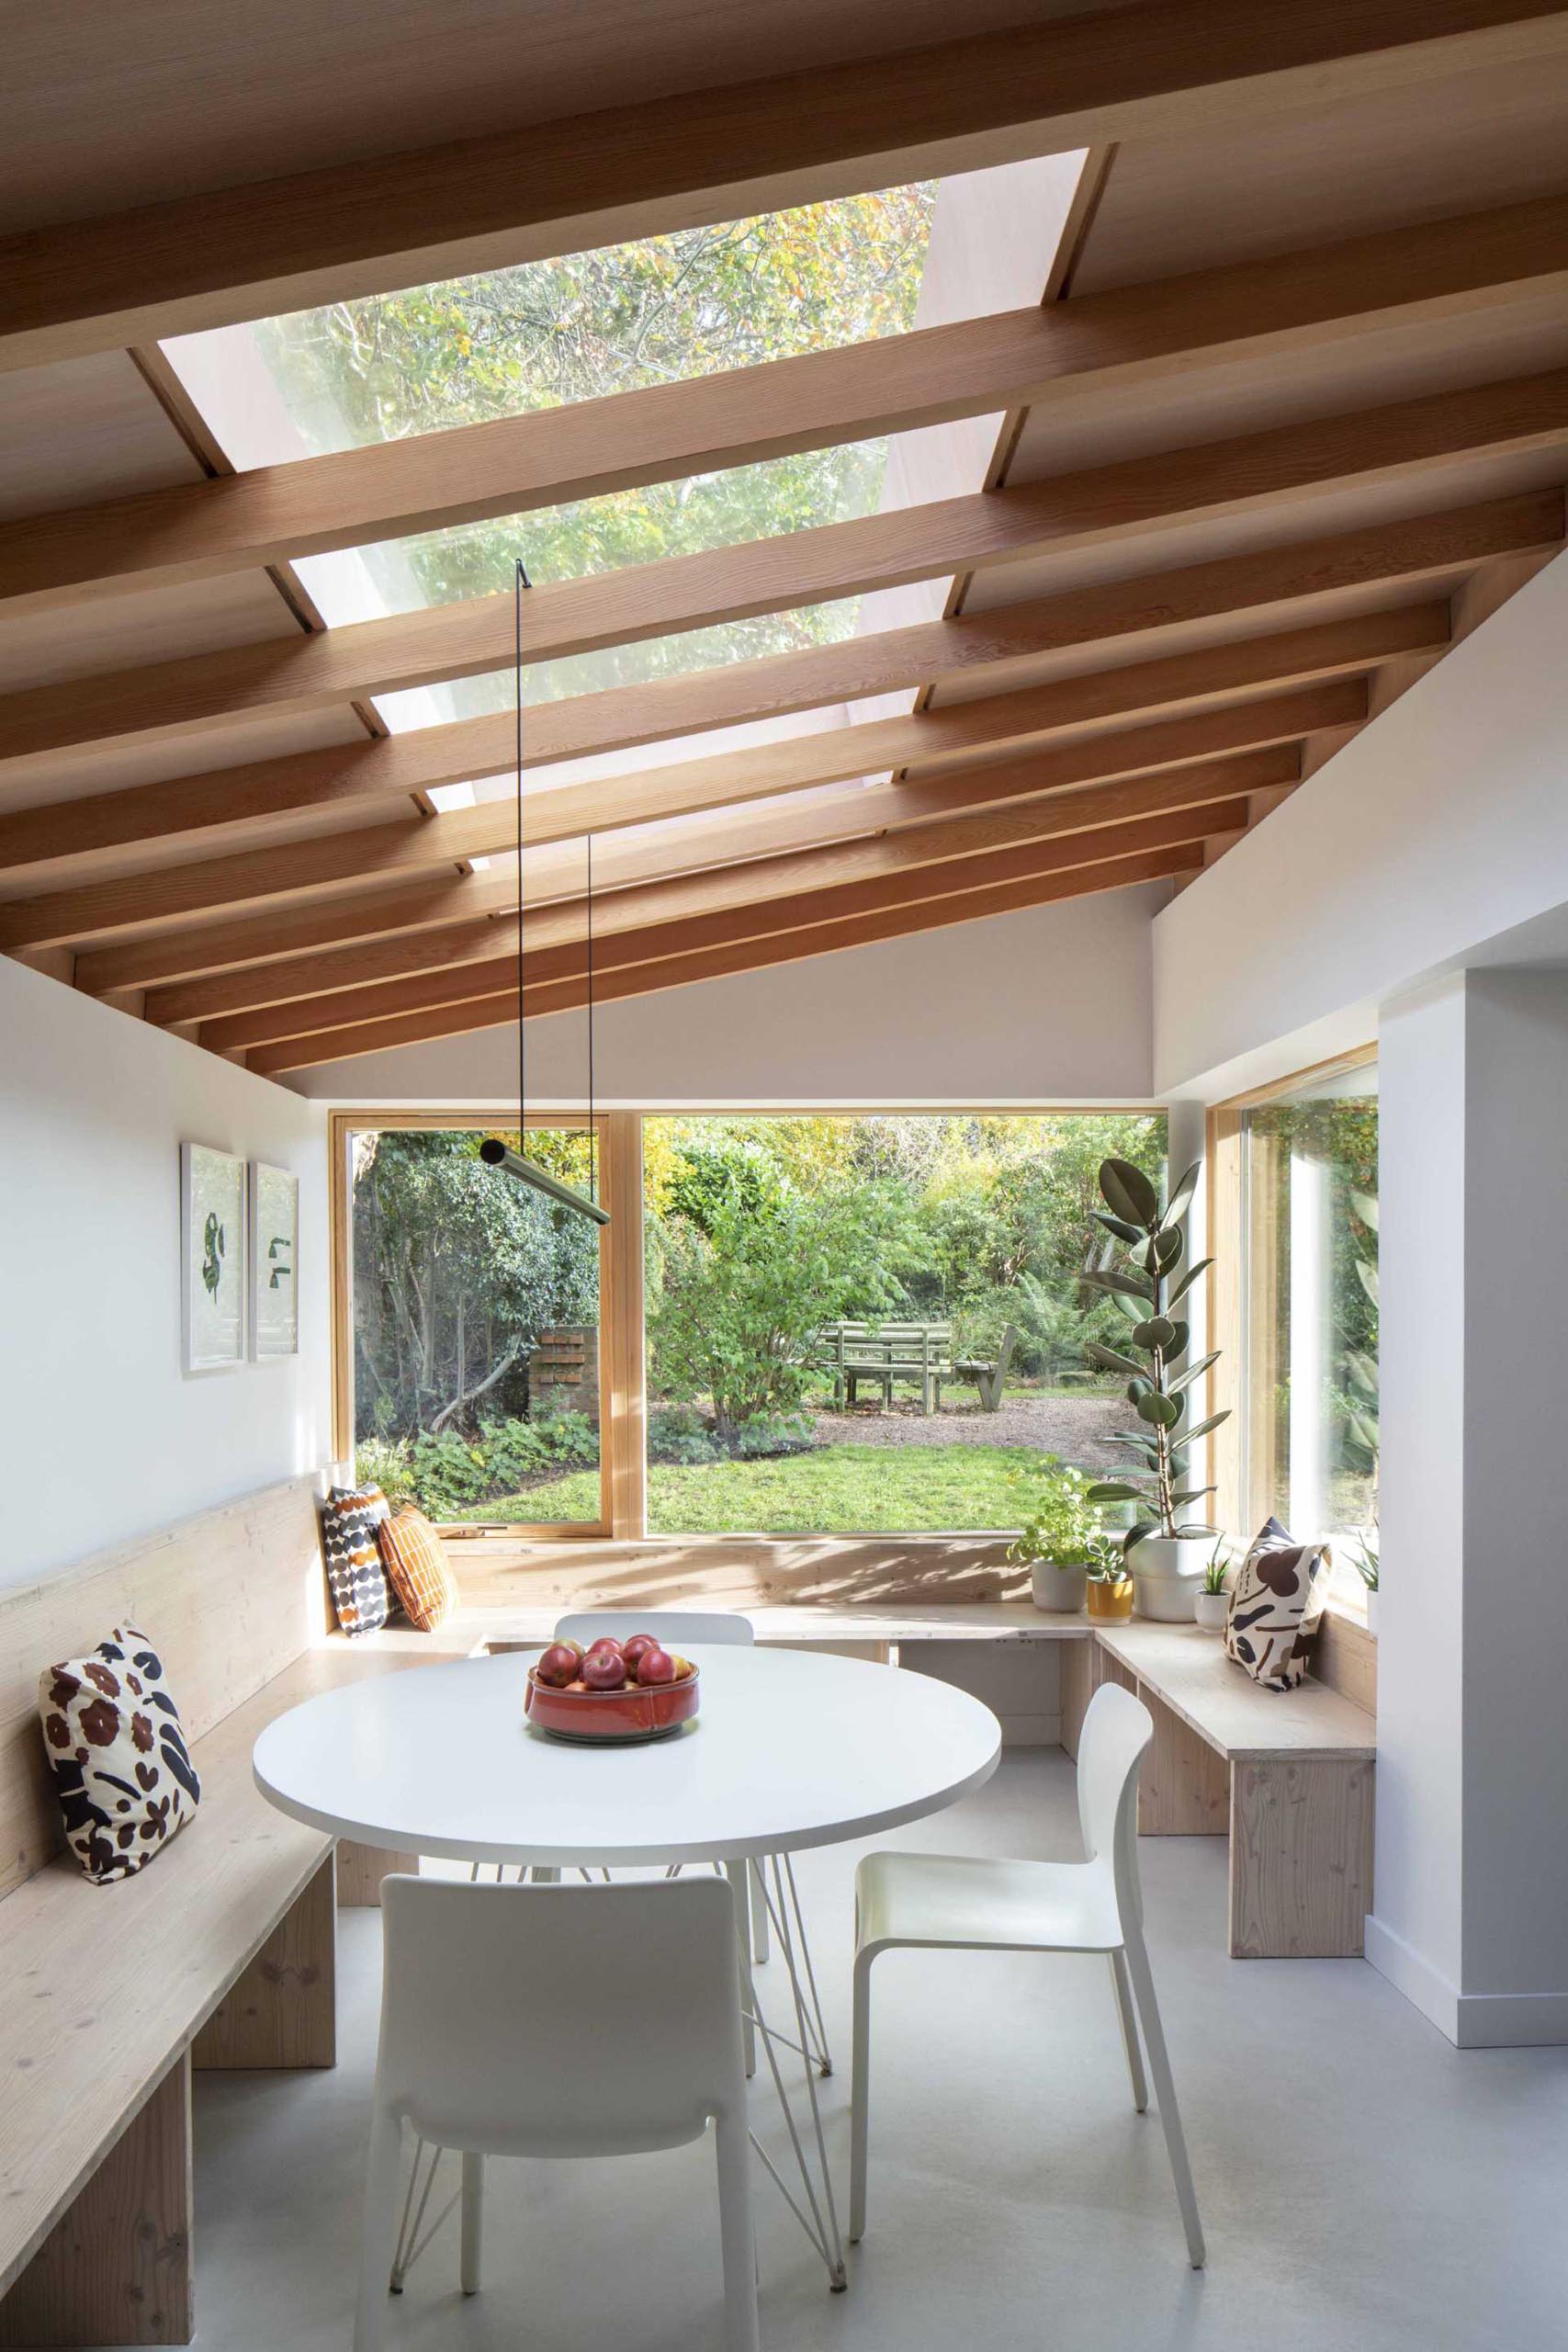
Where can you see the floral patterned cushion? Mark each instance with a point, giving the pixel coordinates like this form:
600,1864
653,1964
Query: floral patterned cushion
355,1578
417,1566
1276,1602
122,1770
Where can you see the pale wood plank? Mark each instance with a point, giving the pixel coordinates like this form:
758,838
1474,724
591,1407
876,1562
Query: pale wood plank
679,971
1189,1672
1425,547
218,256
1301,1856
281,2012
1108,503
1135,336
1184,1788
1076,1670
1345,1657
230,1598
361,1869
116,2267
751,901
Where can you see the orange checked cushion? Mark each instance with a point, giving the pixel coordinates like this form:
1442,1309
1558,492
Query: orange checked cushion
416,1566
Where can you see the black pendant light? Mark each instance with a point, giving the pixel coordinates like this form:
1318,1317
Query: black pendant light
493,1151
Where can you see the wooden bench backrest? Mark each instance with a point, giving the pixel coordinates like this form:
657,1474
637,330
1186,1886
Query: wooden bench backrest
229,1598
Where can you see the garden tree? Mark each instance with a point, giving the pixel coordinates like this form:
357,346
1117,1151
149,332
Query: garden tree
542,334
749,1265
456,1270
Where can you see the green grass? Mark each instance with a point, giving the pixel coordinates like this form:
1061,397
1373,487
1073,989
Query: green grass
852,1489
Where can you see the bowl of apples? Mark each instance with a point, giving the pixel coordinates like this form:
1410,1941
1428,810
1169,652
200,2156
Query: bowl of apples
612,1691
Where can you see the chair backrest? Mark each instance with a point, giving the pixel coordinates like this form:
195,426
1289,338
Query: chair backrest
1116,1730
560,2021
674,1627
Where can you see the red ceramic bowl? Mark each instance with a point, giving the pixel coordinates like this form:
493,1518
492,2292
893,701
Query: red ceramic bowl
633,1713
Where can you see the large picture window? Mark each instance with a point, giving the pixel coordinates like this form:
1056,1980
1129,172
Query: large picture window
1308,1354
874,1324
477,1384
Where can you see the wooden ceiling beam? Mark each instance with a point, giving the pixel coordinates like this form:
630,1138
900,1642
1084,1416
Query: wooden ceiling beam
1144,337
1101,505
752,955
208,967
490,963
382,852
1189,66
1442,548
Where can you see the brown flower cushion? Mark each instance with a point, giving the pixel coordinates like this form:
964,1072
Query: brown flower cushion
416,1564
1276,1604
355,1578
122,1770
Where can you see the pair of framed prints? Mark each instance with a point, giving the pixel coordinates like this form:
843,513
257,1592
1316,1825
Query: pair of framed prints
239,1260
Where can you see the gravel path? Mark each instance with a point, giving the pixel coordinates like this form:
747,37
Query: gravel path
1078,1427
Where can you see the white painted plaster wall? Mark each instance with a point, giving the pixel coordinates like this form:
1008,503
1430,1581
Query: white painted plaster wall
102,1435
1047,1004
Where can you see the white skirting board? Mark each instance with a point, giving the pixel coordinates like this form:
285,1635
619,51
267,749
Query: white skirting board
1470,2020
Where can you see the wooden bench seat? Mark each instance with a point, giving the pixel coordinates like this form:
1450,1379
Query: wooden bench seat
1287,1776
219,1953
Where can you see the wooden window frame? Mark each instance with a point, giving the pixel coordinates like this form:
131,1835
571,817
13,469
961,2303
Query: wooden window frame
1241,1498
623,1507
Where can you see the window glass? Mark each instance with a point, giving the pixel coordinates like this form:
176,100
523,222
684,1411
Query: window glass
1310,1422
475,1330
873,1324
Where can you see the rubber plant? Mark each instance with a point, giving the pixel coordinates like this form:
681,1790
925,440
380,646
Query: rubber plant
1148,1286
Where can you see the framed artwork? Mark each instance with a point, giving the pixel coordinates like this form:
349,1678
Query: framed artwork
274,1253
212,1257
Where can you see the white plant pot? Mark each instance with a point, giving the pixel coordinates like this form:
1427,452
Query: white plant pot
1168,1572
1212,1610
1062,1589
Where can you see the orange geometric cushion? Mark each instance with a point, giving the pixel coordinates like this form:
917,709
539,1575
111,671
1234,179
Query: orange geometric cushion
416,1565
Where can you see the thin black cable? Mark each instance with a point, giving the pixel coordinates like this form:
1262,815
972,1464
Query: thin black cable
521,581
593,1130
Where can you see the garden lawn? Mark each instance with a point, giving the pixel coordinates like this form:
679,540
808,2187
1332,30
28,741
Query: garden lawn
849,1489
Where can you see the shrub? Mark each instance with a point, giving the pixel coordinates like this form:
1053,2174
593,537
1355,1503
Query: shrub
384,1461
774,1434
679,1433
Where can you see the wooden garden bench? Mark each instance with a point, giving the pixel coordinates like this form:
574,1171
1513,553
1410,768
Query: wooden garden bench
990,1377
878,1354
220,1953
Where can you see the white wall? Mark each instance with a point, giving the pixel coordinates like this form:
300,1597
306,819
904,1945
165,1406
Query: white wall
1443,823
102,1434
1472,1872
1049,1004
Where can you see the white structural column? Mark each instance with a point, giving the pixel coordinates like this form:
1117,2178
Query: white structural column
1470,1901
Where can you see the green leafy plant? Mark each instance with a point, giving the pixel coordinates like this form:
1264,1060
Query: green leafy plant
1215,1575
1364,1559
1062,1525
1147,1288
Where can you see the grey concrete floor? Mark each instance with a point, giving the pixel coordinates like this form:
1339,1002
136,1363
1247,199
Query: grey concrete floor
1364,2185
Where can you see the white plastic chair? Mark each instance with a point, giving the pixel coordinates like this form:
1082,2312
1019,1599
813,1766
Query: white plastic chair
969,1903
492,1996
673,1625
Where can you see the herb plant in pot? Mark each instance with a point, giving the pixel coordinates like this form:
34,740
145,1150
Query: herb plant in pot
1058,1535
1166,1551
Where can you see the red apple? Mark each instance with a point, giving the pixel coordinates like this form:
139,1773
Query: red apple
633,1648
655,1664
605,1641
684,1667
565,1641
605,1670
576,1686
557,1665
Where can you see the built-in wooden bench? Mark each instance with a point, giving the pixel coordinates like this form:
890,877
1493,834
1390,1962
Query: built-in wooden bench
1287,1776
219,1954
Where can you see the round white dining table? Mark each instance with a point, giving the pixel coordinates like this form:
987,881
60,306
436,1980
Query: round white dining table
790,1749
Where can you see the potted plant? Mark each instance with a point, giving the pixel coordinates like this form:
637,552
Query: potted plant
1109,1590
1365,1562
1059,1533
1211,1605
1164,1549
